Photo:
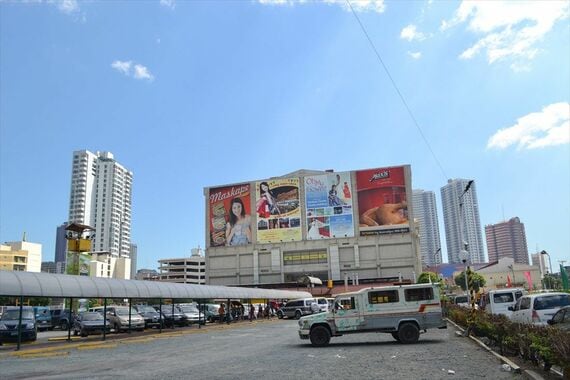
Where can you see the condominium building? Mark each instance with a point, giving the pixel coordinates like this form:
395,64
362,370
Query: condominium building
425,212
507,239
101,198
462,221
21,256
187,270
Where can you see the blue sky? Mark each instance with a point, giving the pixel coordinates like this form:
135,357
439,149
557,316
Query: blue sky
195,94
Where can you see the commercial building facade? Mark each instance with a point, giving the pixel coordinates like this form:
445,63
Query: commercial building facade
462,221
101,197
325,224
425,212
186,270
21,256
507,239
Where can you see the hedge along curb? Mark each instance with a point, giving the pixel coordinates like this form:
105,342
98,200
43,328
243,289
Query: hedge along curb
504,360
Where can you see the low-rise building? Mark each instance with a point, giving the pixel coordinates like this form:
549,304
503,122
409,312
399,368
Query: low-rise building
105,264
21,256
187,270
506,272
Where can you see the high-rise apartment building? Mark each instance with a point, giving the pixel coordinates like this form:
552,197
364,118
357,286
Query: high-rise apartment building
425,212
101,198
461,219
60,244
507,239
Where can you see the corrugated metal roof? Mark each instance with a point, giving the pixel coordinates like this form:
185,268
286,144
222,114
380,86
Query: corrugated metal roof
30,284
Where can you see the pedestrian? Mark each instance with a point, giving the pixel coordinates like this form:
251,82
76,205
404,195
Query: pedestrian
267,312
221,312
260,312
251,313
242,312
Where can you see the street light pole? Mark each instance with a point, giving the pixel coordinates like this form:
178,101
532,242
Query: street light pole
462,245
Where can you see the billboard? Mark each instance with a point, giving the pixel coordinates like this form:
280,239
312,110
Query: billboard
382,201
230,215
328,204
278,210
77,263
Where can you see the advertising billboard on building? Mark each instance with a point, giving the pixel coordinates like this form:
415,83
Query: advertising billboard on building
278,210
382,201
230,215
328,204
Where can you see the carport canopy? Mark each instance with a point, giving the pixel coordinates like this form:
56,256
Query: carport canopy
32,284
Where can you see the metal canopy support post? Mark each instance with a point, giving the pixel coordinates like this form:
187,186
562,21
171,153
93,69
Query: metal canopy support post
172,315
130,315
200,315
160,312
70,319
104,318
20,323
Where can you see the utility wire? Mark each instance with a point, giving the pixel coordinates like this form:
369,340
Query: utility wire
397,90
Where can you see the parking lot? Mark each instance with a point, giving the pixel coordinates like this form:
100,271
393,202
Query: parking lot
249,350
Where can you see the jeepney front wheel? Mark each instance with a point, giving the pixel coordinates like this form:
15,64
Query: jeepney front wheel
396,336
408,333
320,336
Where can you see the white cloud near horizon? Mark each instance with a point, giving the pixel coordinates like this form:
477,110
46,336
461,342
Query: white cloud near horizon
549,127
410,33
377,6
136,71
415,55
508,29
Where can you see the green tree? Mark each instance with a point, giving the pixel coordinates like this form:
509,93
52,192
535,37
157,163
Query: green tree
551,281
478,280
427,277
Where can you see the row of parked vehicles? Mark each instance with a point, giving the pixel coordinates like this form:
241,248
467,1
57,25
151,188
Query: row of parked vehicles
547,307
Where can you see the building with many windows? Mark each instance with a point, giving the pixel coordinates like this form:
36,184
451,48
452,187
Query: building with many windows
324,224
425,212
21,256
462,221
507,239
101,197
187,270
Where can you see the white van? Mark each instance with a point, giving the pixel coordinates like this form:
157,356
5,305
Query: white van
498,301
538,308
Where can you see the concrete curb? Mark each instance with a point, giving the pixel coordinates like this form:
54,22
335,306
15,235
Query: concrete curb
529,373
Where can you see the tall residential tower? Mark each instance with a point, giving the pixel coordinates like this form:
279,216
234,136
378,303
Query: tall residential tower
507,239
101,198
425,212
462,221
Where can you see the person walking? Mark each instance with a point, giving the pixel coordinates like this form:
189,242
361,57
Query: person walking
251,313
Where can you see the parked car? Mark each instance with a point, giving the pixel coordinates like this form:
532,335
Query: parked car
151,316
43,318
191,313
89,323
538,308
60,318
118,316
210,311
172,319
297,308
498,301
561,319
9,323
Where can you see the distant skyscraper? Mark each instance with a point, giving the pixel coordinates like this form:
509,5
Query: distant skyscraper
471,224
426,212
507,239
101,198
60,244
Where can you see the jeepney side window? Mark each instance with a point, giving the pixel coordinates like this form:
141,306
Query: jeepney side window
383,296
418,294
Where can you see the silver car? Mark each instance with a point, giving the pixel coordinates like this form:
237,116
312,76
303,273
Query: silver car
297,308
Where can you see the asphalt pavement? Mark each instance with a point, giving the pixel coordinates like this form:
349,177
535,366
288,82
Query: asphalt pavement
269,349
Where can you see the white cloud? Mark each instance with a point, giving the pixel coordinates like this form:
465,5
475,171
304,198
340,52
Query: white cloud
549,127
410,33
415,55
168,3
358,5
509,29
136,71
68,6
142,72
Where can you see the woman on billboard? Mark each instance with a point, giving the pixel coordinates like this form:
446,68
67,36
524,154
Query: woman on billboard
238,230
267,204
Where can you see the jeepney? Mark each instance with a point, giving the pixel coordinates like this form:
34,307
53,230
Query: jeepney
401,310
